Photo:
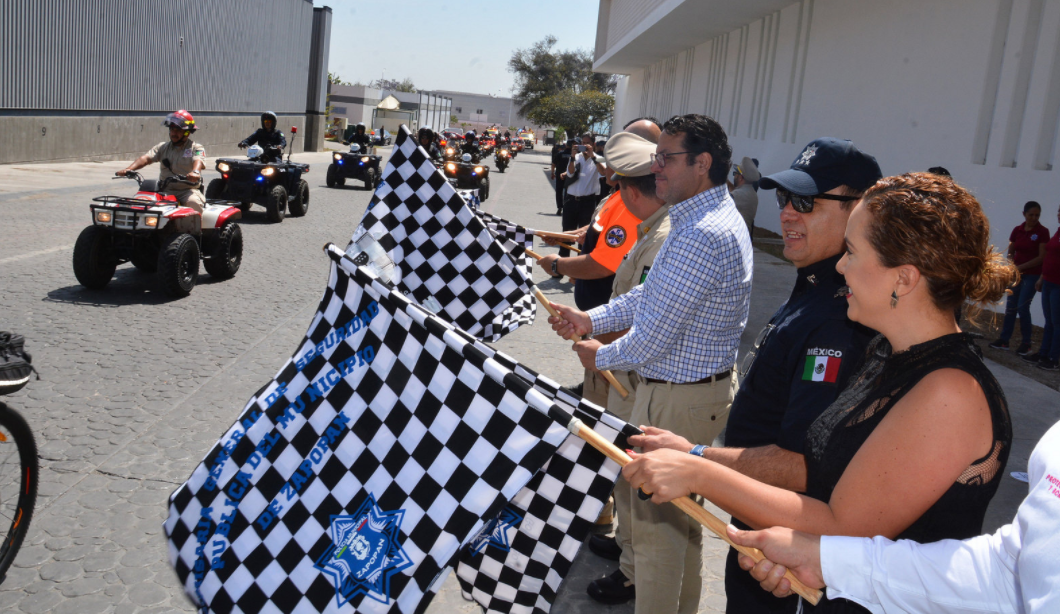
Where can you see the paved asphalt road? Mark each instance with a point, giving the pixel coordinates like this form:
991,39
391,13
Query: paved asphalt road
136,387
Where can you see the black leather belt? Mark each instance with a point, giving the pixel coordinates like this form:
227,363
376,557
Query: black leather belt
587,196
706,380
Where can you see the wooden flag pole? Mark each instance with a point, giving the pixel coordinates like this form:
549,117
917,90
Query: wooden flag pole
688,506
570,247
610,377
562,236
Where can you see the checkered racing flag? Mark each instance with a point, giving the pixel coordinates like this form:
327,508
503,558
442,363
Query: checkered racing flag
516,564
419,234
352,479
516,240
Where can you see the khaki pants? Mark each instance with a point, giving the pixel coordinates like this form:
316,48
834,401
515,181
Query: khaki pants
667,543
623,408
190,198
595,387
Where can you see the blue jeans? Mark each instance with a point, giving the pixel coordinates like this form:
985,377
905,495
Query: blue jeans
1051,308
1019,302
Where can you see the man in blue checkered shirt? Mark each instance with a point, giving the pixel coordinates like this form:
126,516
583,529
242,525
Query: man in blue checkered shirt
684,323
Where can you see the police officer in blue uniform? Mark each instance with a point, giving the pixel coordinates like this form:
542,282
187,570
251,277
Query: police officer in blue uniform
805,355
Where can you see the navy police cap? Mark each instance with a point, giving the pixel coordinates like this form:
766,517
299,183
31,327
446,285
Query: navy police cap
825,164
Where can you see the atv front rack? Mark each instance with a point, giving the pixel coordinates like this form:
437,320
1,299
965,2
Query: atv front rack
136,202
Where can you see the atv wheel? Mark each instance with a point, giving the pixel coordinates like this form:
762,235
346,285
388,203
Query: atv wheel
276,203
484,190
215,189
300,203
94,259
178,265
369,178
244,206
333,170
228,253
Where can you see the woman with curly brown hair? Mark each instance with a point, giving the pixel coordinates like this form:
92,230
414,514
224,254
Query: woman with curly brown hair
914,448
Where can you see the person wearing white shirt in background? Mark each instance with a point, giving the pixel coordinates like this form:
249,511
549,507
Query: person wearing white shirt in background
1017,569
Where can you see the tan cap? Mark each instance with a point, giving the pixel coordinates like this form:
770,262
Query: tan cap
747,168
629,155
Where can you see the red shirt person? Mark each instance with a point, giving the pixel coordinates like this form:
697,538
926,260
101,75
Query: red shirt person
1026,249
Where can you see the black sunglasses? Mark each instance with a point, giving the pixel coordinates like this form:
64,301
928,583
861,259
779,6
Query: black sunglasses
804,204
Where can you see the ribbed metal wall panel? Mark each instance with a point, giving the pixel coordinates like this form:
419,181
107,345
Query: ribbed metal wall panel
127,55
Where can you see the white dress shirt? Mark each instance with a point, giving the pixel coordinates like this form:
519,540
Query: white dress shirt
1017,569
588,181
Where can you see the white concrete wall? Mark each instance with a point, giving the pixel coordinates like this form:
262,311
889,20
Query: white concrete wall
972,85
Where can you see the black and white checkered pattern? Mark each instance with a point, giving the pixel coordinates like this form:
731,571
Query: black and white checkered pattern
516,240
431,426
558,509
447,258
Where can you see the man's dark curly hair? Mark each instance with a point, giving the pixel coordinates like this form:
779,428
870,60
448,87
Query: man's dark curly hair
703,135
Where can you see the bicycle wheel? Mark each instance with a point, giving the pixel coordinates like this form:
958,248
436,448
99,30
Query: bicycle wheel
19,473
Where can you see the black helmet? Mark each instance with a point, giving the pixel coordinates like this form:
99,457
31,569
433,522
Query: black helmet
426,133
269,115
361,127
470,135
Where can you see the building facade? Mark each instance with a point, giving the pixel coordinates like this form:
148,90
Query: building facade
970,85
351,104
482,110
93,79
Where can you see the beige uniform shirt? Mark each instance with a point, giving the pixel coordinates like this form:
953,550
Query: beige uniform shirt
181,159
651,234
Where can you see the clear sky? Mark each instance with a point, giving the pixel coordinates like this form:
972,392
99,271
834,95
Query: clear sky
450,44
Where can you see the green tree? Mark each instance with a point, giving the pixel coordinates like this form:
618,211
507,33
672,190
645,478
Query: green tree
453,119
394,85
541,73
572,110
336,79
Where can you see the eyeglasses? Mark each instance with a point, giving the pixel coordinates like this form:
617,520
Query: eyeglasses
660,159
804,204
749,359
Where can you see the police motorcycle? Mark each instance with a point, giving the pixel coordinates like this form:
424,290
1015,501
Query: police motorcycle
354,164
158,235
503,157
468,174
260,179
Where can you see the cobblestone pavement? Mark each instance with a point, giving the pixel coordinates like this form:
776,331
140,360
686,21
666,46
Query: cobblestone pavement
136,387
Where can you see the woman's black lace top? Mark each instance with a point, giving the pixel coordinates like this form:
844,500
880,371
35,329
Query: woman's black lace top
835,437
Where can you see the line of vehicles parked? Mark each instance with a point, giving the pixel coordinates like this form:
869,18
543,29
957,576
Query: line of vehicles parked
167,228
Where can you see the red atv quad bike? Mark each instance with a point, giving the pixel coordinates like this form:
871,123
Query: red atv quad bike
158,235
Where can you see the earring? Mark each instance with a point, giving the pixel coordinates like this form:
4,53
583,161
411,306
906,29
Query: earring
894,298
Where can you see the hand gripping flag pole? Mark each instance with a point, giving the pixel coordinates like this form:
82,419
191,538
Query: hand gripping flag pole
685,504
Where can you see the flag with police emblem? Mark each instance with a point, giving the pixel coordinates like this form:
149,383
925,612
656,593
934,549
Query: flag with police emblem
421,235
386,443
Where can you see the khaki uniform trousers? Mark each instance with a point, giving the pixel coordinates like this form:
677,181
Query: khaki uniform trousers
623,408
667,543
190,198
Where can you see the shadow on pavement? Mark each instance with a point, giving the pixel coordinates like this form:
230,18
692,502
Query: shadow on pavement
129,287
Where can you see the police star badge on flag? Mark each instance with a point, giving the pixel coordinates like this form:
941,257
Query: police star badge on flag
822,365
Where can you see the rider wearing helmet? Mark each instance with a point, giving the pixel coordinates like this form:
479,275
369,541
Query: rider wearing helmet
426,141
361,137
470,145
269,137
178,156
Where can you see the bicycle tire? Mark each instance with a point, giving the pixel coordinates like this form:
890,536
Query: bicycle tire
15,519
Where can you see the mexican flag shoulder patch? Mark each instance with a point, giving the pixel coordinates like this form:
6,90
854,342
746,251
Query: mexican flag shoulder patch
821,366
